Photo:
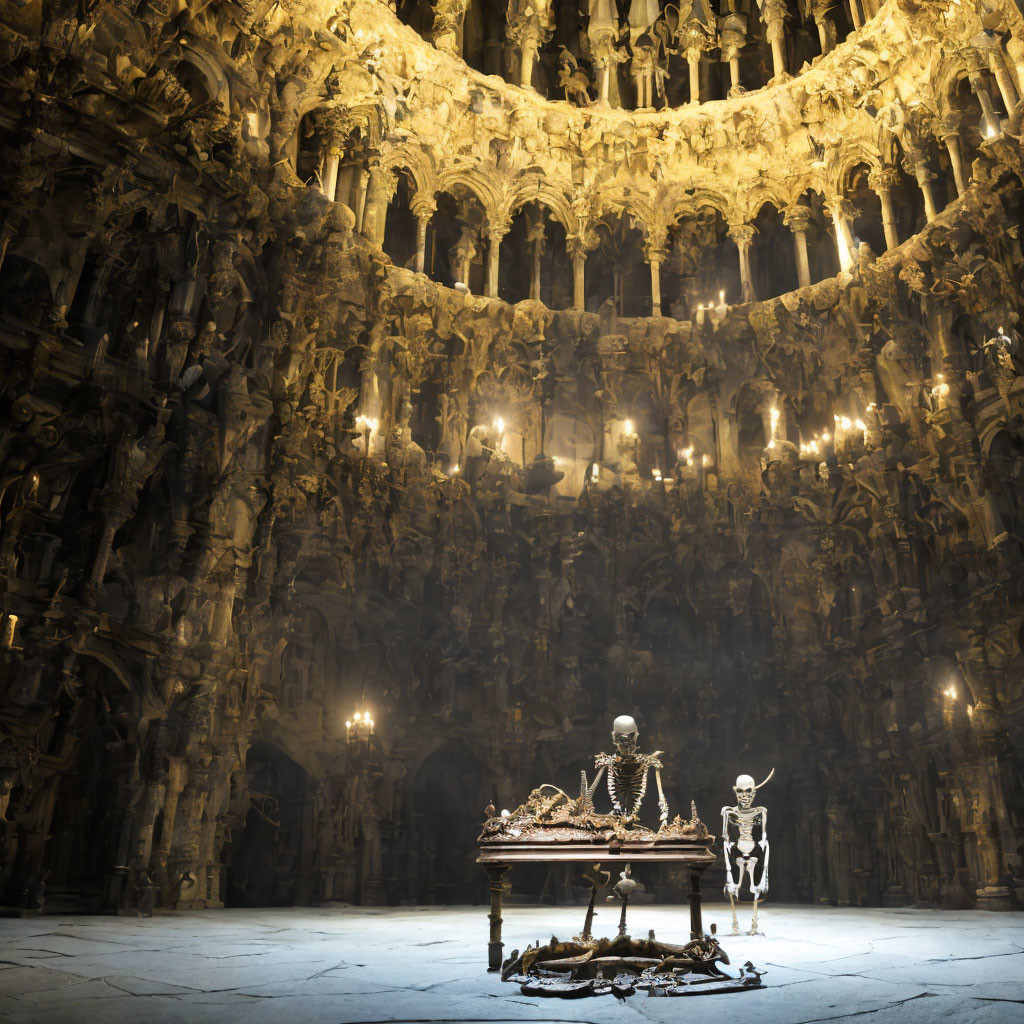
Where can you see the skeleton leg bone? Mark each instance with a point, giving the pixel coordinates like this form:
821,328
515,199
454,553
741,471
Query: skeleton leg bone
753,920
735,919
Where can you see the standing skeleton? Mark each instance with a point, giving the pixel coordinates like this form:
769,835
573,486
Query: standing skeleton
627,774
747,856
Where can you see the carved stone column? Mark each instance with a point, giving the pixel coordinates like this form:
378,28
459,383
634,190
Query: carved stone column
882,182
988,46
949,132
693,61
537,255
423,207
774,14
334,140
362,184
603,33
798,219
495,234
743,236
917,160
1015,54
841,211
654,253
733,38
381,188
980,89
530,24
578,254
446,31
329,183
820,9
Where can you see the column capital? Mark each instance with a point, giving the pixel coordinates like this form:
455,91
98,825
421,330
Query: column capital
448,18
423,205
742,234
916,161
577,247
841,207
530,22
977,79
385,179
774,14
884,178
334,126
948,125
655,243
797,217
984,43
732,36
498,229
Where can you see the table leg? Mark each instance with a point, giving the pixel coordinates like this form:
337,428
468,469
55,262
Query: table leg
696,924
494,947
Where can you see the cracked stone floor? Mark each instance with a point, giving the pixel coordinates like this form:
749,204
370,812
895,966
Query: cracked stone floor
344,964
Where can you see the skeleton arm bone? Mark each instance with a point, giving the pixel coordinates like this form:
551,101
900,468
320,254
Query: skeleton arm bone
662,802
763,887
730,886
594,784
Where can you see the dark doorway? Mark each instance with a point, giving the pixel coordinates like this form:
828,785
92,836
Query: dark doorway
449,797
267,852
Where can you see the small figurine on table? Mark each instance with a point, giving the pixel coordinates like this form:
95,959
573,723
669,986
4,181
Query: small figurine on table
623,889
746,857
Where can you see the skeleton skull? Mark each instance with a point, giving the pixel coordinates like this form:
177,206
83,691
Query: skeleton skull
625,735
745,791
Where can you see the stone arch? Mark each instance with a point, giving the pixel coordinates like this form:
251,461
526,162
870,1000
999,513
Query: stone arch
686,201
822,248
846,162
867,224
764,192
702,261
456,243
616,269
539,189
475,182
400,224
534,255
773,256
415,163
197,68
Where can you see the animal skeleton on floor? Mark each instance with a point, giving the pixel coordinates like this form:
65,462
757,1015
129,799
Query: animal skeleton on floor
746,858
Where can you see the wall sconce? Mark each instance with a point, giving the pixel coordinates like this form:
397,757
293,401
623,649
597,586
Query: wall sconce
359,727
10,628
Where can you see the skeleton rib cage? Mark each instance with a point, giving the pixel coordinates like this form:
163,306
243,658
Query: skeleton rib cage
627,779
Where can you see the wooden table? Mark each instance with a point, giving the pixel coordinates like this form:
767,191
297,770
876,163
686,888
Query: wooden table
497,858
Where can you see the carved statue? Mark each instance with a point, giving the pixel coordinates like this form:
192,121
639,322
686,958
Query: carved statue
573,79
